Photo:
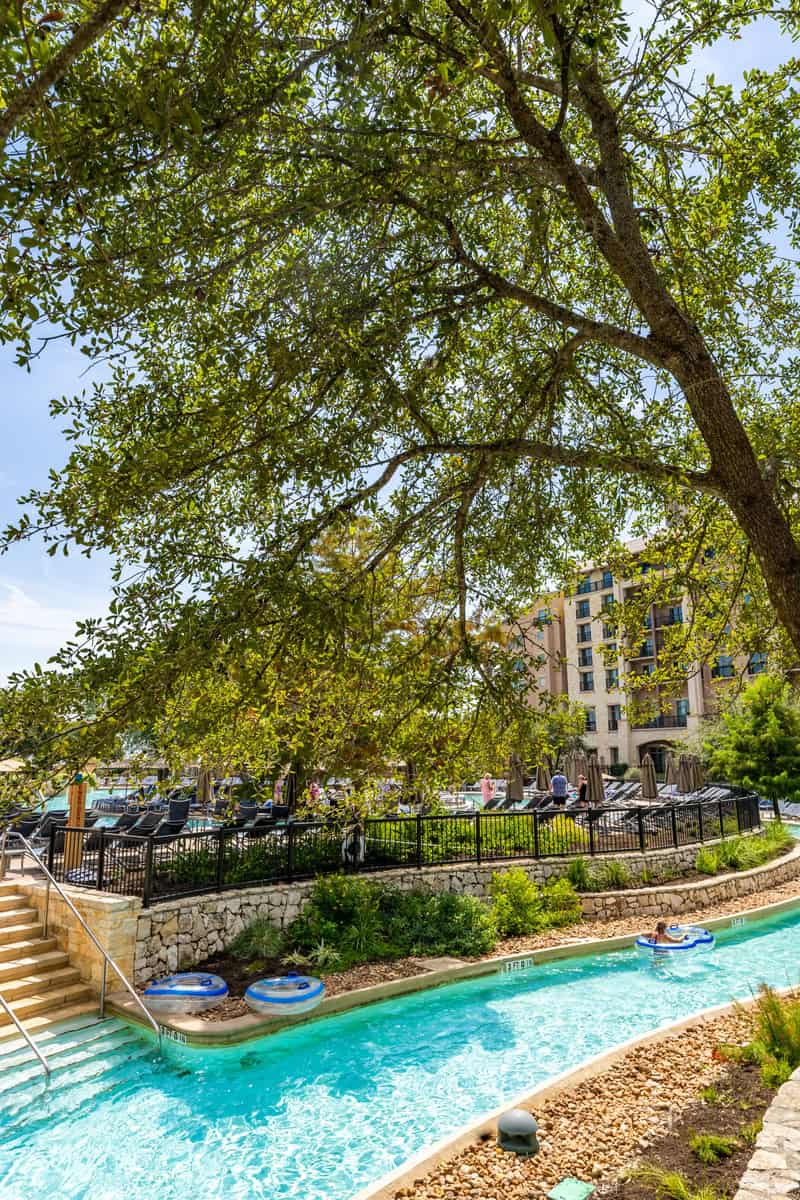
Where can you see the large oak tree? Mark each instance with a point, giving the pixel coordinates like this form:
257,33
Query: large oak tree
498,274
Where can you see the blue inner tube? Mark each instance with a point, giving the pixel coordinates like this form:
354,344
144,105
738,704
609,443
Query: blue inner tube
693,938
189,985
286,989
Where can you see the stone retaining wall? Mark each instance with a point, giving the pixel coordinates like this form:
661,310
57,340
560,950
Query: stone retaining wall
180,933
774,1169
702,893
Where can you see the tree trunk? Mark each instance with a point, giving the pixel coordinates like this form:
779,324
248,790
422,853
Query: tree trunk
748,494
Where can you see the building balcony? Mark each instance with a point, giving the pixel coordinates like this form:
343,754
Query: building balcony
665,721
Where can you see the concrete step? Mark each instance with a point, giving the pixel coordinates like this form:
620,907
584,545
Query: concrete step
12,900
13,917
24,947
30,927
52,1000
36,983
37,964
80,1061
62,1037
45,1024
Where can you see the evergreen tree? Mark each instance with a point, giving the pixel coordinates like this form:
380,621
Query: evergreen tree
757,743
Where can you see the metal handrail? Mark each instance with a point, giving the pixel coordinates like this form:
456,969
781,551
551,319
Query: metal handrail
10,1013
108,961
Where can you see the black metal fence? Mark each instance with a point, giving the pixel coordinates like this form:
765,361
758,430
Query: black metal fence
217,860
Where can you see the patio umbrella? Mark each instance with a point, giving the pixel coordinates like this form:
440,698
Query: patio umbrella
670,772
698,773
649,784
581,765
516,787
205,789
684,775
595,793
542,778
568,767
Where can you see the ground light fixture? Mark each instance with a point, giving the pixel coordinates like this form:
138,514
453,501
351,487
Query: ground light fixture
516,1131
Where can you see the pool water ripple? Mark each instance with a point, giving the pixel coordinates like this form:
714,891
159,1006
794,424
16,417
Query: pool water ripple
322,1110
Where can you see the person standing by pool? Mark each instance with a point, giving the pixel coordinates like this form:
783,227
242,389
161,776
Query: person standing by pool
487,789
559,786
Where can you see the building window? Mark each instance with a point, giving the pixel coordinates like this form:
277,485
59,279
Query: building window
608,630
647,669
591,720
613,755
584,586
587,681
539,635
757,664
607,580
542,681
676,614
614,713
584,633
646,649
582,609
723,667
606,601
585,657
612,678
544,616
682,712
611,647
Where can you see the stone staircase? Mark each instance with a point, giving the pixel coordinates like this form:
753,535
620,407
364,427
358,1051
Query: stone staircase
36,978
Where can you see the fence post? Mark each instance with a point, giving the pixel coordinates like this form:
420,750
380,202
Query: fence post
640,821
536,835
51,849
738,802
478,837
700,822
419,840
290,849
148,874
591,833
674,827
721,819
101,860
220,859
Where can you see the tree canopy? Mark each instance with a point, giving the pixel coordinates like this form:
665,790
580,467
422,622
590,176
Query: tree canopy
496,276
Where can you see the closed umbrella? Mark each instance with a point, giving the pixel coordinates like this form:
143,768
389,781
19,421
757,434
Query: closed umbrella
684,775
542,778
670,771
569,767
698,773
516,789
648,779
595,793
581,765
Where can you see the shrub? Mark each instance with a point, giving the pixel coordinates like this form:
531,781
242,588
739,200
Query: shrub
260,939
710,1148
777,1029
561,903
516,902
350,920
579,875
710,1095
671,1185
560,835
613,874
706,862
749,1132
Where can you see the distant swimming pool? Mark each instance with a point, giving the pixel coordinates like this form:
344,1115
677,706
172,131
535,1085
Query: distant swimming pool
323,1110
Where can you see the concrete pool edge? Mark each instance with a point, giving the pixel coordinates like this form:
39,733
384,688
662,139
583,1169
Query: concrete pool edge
194,1031
421,1164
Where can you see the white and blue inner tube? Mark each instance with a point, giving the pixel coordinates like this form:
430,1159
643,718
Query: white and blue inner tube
285,995
188,992
683,939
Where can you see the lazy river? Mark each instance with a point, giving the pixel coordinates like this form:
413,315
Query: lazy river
324,1109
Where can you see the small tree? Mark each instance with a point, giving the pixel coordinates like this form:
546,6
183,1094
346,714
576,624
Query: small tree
757,743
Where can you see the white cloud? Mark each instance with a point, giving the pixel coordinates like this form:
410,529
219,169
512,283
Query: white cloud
31,630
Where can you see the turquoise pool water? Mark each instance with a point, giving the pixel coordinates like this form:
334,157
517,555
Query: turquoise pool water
322,1110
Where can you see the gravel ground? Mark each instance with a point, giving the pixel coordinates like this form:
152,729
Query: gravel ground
598,1127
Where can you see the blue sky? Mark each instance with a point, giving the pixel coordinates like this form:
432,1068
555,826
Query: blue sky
41,598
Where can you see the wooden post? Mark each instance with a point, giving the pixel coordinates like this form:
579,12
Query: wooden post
73,842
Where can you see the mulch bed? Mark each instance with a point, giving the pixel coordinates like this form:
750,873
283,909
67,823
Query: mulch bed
239,974
743,1100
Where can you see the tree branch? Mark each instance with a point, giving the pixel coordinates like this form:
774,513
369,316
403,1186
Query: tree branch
27,98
